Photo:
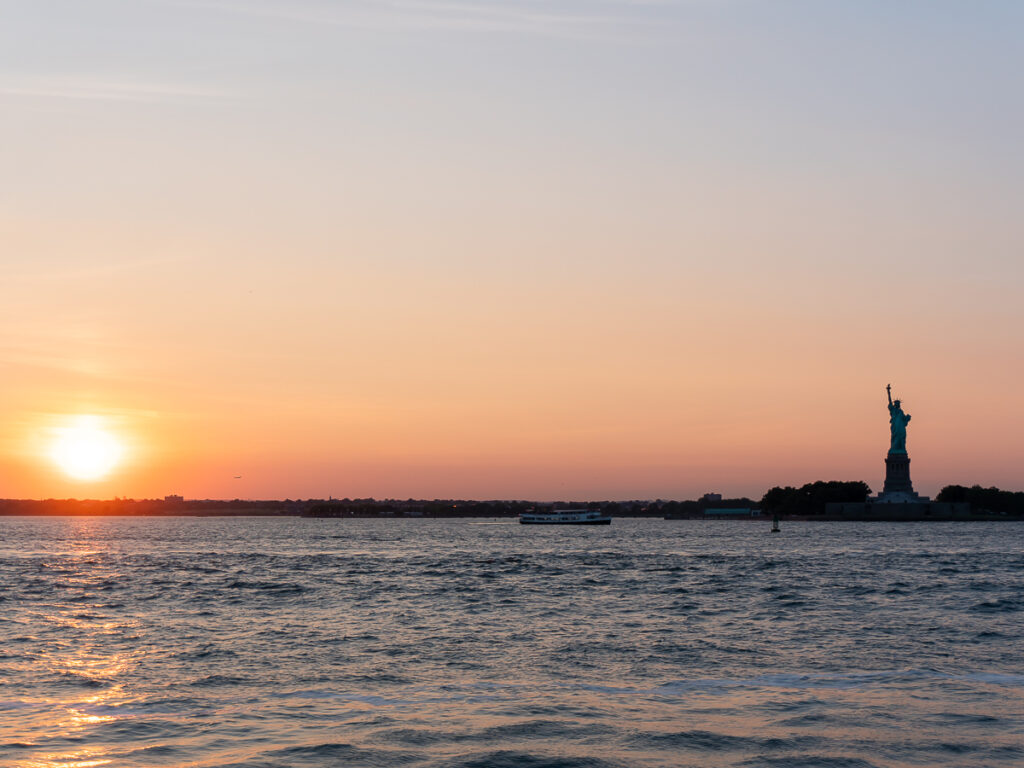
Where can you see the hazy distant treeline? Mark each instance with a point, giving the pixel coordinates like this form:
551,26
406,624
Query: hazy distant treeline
116,506
807,500
458,508
355,507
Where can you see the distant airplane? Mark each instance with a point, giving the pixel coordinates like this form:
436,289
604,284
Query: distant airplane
238,477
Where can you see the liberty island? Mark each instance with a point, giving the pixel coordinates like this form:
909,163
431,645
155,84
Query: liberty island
898,499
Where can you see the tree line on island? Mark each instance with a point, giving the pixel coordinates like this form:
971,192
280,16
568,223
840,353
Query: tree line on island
808,500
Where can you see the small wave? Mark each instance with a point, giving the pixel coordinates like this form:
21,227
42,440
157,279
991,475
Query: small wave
18,745
341,754
990,677
157,750
860,589
1004,605
373,701
813,720
693,740
416,697
205,652
986,586
511,759
542,729
133,729
810,681
268,586
416,737
807,761
122,711
970,718
14,705
84,681
215,680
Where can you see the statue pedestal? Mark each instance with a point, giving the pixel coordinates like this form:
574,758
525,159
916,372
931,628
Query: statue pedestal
897,474
897,489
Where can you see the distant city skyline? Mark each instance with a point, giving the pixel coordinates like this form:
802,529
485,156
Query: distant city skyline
534,250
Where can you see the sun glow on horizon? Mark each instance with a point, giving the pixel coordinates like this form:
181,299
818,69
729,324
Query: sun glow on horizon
85,450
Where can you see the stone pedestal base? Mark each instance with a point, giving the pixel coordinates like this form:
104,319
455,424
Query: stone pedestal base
897,474
898,489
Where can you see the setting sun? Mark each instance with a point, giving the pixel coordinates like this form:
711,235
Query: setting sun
85,450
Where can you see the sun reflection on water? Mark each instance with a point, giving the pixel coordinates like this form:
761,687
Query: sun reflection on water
69,721
86,757
74,634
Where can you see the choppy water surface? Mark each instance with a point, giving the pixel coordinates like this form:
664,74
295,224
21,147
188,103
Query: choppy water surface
290,642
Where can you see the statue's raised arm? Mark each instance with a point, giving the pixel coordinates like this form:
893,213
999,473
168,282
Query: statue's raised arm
888,392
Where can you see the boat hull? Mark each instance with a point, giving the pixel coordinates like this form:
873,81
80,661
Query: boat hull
599,521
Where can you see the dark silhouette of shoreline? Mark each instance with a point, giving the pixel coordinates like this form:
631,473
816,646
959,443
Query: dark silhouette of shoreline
806,503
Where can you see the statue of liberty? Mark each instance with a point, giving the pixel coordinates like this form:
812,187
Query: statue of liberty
898,421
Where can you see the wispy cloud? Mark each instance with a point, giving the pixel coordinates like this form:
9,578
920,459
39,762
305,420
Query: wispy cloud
82,271
71,346
98,88
533,16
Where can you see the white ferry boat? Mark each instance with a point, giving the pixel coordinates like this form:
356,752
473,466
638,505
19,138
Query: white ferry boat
565,517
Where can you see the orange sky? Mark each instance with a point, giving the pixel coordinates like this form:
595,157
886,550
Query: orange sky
550,257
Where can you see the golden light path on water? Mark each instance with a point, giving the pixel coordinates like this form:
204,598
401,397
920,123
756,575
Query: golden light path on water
81,657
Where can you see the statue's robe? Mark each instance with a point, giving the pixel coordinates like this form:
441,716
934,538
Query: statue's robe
898,429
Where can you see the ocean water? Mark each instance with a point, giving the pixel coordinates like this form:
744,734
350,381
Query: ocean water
476,643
